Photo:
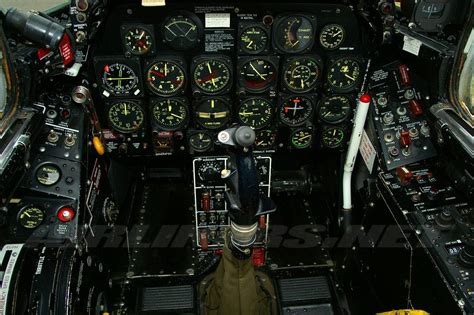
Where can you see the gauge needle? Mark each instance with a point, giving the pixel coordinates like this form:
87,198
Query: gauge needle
190,29
328,113
305,137
334,35
177,116
250,44
27,214
166,69
258,73
295,43
302,84
209,68
141,35
119,79
246,114
125,111
349,77
169,29
169,106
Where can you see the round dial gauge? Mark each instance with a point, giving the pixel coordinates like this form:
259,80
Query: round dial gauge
295,111
200,142
344,74
210,171
138,41
119,78
301,74
335,109
181,32
165,78
253,40
126,116
48,174
302,138
257,74
30,217
170,114
255,112
333,137
213,113
265,139
294,34
211,76
332,36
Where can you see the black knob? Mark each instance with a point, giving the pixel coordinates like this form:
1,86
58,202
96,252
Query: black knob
245,136
444,220
466,256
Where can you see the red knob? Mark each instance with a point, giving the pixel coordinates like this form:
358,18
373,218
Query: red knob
66,214
205,201
405,139
203,241
415,108
404,75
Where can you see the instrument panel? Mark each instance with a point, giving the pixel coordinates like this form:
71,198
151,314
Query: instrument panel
172,78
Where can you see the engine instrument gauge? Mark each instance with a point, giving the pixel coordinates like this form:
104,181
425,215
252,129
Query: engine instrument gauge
212,76
333,137
138,40
332,36
210,171
48,174
182,31
30,217
170,113
301,74
119,78
165,78
213,113
200,141
294,34
126,116
265,139
302,138
257,74
335,109
253,39
255,112
344,74
295,110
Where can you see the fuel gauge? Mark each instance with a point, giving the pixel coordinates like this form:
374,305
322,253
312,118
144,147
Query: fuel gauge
333,137
302,138
30,217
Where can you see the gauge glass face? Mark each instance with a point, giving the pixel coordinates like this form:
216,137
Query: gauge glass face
211,76
165,78
212,113
181,32
344,74
30,217
200,142
332,36
126,116
255,112
302,74
335,109
170,114
295,111
302,139
210,171
333,137
265,139
253,40
258,74
119,78
138,41
294,34
48,175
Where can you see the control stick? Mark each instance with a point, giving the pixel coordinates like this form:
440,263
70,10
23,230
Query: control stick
246,203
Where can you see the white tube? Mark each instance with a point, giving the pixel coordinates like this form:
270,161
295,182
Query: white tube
354,143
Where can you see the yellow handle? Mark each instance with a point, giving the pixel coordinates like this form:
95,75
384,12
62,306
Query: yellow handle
98,146
404,312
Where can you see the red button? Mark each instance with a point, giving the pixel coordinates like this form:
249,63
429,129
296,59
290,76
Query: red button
405,139
258,256
66,214
415,108
205,202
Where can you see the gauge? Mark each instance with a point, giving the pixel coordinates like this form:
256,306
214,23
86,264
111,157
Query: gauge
333,137
213,113
302,138
170,114
126,116
296,110
210,171
301,74
255,112
138,40
265,139
211,76
257,74
165,78
344,74
48,174
181,31
253,39
30,217
119,78
200,141
332,36
335,109
294,34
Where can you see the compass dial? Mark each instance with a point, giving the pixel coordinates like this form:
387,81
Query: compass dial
295,111
119,78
